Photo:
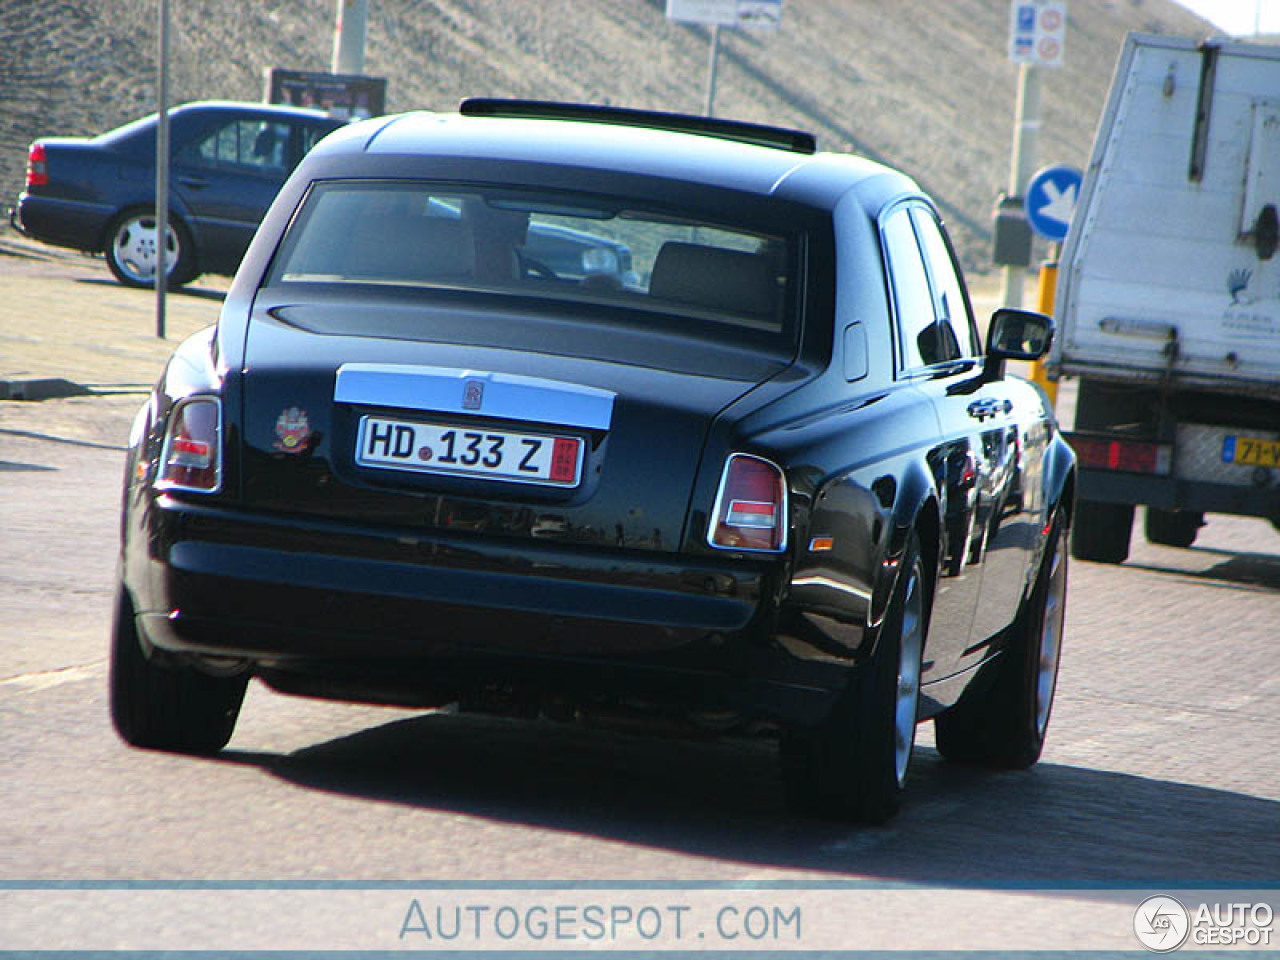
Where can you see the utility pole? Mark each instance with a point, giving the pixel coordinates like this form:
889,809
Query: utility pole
1026,136
349,37
162,167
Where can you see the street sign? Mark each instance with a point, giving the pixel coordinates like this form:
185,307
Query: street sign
723,13
752,14
1051,200
727,13
341,95
1037,32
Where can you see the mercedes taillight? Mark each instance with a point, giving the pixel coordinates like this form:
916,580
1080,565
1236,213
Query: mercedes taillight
37,166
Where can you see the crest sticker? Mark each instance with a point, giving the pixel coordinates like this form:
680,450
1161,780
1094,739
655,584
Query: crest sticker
293,430
473,395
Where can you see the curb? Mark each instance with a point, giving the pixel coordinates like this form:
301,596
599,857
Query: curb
48,389
14,244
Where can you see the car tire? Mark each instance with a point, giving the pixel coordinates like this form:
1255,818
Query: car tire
167,706
1173,528
1101,531
854,765
1002,723
130,249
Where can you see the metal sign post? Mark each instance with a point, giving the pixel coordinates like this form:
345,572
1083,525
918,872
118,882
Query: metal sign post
1026,137
1037,39
711,71
162,168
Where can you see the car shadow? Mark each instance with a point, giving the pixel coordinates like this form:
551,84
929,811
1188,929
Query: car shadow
1243,570
1051,825
198,293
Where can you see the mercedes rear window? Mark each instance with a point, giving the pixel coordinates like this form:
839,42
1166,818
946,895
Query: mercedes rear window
548,246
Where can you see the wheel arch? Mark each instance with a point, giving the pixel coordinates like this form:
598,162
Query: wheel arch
916,510
1059,492
178,214
1060,478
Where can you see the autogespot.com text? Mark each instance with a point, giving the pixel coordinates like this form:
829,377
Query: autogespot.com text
488,924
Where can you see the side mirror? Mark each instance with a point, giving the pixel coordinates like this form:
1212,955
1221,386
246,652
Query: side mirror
1019,335
1016,335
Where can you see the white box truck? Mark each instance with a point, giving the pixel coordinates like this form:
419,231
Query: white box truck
1168,299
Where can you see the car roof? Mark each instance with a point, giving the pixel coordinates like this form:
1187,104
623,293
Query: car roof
144,126
248,106
701,157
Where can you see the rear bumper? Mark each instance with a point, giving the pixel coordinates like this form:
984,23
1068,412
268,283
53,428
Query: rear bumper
430,618
62,223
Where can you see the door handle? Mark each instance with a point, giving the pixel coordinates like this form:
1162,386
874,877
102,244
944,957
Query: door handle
195,183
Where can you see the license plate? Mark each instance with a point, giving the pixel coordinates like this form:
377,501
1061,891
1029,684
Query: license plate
474,452
1251,451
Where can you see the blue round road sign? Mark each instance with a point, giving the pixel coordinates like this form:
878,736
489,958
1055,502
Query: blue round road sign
1051,200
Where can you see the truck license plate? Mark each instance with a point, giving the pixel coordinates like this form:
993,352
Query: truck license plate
1251,451
474,452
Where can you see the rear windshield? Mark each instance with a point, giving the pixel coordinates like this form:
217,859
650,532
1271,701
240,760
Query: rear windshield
549,246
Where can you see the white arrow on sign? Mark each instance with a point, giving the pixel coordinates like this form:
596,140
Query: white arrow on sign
1062,203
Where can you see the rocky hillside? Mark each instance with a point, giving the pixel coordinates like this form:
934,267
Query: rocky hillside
922,84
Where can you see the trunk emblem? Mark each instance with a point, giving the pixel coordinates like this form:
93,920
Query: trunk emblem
294,430
473,395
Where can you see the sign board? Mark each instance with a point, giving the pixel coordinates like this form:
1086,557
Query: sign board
727,13
1051,200
1037,32
341,95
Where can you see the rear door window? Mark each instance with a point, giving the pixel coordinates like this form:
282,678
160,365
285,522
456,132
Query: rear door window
244,145
912,297
951,305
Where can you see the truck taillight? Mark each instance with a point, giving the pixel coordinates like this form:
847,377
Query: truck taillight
37,166
191,458
751,506
1126,456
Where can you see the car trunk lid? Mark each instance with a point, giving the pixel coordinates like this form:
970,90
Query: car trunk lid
496,425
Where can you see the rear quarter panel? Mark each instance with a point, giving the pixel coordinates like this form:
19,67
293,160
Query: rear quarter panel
856,445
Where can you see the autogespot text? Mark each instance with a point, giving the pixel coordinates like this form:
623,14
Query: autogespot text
481,924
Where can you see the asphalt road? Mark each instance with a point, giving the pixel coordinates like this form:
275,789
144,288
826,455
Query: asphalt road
1160,769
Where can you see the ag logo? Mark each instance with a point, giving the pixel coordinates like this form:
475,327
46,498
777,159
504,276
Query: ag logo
1238,286
1161,924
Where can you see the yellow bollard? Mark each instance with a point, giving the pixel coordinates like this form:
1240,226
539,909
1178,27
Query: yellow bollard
1045,293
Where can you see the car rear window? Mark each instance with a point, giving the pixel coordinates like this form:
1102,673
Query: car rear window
542,245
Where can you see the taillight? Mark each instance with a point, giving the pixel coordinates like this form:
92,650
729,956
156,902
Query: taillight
751,506
600,260
191,458
37,166
1127,456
